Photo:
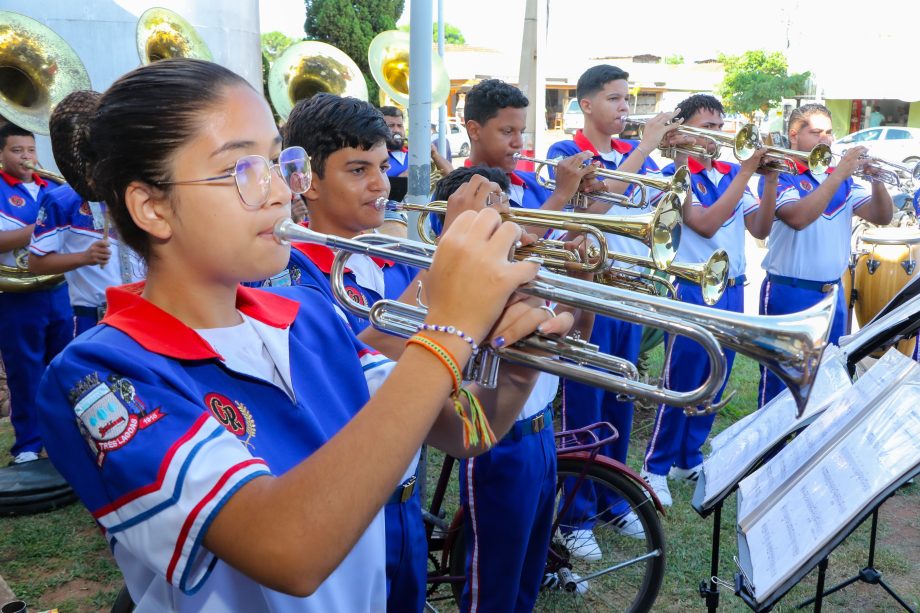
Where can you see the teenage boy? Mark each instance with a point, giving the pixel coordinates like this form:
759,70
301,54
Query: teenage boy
809,244
715,217
35,325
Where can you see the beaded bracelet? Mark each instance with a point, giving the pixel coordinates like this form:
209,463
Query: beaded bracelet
476,428
449,330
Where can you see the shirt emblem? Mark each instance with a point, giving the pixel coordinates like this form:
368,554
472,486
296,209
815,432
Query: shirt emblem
234,416
109,413
805,186
356,296
16,200
701,188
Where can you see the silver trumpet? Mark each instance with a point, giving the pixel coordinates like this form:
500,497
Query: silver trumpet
789,345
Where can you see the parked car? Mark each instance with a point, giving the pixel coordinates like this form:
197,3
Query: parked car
891,143
457,141
572,117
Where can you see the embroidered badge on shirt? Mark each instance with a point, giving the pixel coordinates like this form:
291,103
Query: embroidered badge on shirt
17,200
234,416
109,413
356,296
42,217
805,185
701,188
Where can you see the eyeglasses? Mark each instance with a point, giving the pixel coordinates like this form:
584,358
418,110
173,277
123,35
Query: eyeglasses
253,175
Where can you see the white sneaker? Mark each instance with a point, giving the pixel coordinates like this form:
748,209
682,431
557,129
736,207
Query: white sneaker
690,475
582,544
628,525
25,456
659,484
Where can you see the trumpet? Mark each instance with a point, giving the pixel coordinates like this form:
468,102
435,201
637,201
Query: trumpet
884,171
638,281
679,183
45,174
711,275
659,230
789,345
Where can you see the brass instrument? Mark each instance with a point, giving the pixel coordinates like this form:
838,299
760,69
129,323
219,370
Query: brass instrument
17,279
46,174
884,171
162,34
637,281
711,275
659,230
789,345
311,67
37,70
388,58
679,184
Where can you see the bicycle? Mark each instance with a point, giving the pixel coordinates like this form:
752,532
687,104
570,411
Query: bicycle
622,573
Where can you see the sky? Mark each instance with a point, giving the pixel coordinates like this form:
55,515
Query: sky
593,27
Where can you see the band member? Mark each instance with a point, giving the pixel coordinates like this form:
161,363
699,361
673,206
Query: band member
238,445
603,93
715,217
398,146
72,235
37,323
809,244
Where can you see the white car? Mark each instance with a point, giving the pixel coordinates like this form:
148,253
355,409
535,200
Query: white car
457,140
890,143
572,117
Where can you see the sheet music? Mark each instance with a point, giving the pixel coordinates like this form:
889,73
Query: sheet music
846,480
777,475
745,442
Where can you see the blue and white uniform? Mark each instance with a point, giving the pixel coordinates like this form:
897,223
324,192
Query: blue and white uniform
368,280
68,224
803,265
677,439
585,405
399,162
34,325
156,428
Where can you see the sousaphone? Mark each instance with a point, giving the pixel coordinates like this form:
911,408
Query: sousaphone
388,58
163,34
311,67
37,70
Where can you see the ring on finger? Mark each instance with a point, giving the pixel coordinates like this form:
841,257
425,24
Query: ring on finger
548,309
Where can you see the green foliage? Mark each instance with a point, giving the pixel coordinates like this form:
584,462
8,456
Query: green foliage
274,43
757,80
674,59
351,26
452,34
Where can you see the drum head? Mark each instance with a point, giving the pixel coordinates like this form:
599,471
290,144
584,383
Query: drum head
891,236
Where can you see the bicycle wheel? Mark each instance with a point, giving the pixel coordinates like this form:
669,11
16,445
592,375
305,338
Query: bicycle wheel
616,571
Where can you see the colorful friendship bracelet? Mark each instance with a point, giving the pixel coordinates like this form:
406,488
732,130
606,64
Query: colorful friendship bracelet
449,330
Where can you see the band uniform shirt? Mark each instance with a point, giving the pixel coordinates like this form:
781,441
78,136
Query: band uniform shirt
68,224
399,162
621,149
820,251
707,188
155,432
18,208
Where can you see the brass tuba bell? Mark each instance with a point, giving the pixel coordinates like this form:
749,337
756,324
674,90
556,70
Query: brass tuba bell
37,69
388,58
162,34
311,67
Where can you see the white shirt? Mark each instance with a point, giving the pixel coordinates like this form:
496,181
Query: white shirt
624,244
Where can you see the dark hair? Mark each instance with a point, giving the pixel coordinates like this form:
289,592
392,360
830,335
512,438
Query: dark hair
68,130
800,115
11,129
137,127
327,123
390,111
487,98
699,102
449,184
595,78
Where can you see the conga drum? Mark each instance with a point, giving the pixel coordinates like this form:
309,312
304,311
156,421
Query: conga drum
888,260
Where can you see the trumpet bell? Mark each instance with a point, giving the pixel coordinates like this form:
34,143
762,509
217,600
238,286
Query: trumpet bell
388,58
162,34
715,277
37,70
311,67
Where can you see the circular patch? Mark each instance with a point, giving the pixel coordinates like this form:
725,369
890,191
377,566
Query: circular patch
226,412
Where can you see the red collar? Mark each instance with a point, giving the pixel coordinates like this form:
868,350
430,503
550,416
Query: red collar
156,330
616,144
512,177
803,168
322,256
696,168
13,181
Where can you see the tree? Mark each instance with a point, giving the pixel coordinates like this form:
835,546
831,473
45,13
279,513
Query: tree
452,34
351,25
756,81
274,43
674,59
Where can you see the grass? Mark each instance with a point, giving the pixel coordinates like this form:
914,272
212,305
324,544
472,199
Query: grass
60,559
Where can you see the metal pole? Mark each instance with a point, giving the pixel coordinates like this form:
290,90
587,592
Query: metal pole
442,111
420,20
531,76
